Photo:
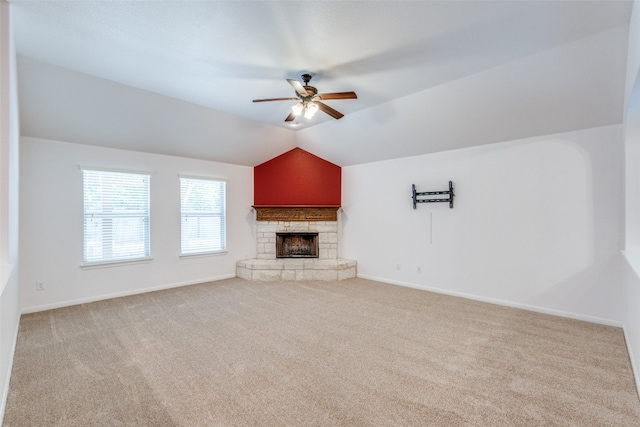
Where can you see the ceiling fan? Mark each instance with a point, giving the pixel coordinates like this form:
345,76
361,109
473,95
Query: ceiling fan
309,100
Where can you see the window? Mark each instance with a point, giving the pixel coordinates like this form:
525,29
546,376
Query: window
116,216
203,217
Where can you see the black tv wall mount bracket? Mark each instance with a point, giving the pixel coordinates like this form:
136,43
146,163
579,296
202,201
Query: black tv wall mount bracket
417,194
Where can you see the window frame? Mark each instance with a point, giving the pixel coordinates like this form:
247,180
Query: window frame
222,214
144,214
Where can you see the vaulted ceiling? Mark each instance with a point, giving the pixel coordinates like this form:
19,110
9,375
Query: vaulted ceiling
179,77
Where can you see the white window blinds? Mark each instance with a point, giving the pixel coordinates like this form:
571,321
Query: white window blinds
203,222
116,216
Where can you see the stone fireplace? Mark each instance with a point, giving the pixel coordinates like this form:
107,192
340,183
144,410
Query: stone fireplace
312,236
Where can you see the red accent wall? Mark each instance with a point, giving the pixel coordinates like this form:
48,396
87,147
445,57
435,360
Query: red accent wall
297,177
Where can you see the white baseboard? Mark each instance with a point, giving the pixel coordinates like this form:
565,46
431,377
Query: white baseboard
123,294
634,367
505,303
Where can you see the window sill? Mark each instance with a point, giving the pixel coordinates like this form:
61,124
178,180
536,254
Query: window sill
108,264
203,254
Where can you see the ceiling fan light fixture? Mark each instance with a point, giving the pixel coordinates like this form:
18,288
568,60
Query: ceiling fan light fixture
297,109
311,109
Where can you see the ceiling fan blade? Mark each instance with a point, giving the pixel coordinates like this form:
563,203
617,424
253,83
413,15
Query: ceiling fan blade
275,99
337,95
298,87
330,111
290,117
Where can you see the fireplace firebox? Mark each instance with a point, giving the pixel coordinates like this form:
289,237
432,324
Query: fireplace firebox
296,245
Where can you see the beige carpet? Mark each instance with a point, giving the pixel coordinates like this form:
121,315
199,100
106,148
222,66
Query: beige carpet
352,353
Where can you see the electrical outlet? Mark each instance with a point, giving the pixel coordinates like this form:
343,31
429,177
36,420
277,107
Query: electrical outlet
398,267
419,269
40,286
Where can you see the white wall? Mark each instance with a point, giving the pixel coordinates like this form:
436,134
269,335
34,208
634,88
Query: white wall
9,135
537,223
633,51
51,224
632,195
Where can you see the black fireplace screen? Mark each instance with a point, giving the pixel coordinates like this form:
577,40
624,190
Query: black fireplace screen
296,245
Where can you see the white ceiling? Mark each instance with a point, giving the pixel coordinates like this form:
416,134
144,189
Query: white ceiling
223,54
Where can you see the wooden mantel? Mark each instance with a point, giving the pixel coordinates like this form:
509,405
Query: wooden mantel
296,213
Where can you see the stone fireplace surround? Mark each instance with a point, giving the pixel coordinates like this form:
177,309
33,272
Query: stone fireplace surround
296,219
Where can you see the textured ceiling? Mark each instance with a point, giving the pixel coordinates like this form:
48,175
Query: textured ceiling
223,54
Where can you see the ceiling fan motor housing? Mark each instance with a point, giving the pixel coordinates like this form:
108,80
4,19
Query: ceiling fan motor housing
312,91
